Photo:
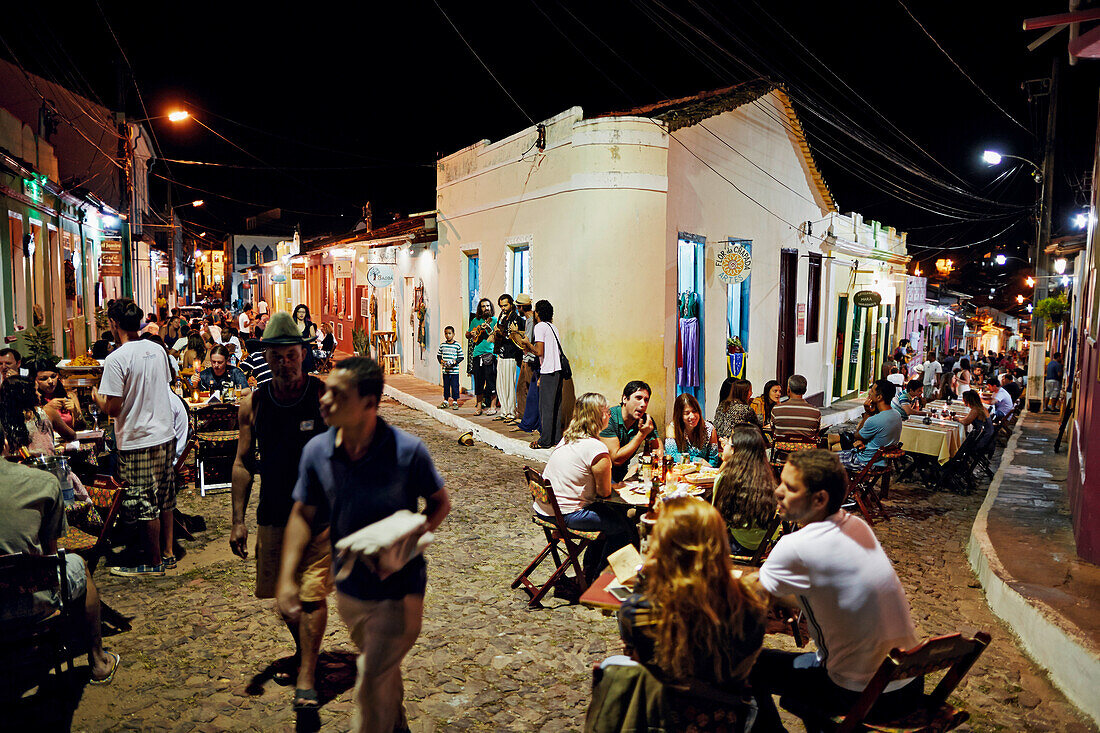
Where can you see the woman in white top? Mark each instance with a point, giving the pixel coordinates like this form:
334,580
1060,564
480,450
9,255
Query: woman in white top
579,472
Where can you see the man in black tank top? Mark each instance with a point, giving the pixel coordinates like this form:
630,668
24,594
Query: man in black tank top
276,421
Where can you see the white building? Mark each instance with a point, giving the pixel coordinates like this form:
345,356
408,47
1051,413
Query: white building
619,219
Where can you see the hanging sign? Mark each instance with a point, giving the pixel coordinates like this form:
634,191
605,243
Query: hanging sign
162,275
866,299
733,263
380,276
342,268
736,364
110,258
298,272
801,319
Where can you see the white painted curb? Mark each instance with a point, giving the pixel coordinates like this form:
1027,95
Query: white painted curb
511,446
1058,648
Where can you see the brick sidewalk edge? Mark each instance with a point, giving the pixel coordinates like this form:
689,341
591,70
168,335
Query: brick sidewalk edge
1045,636
511,446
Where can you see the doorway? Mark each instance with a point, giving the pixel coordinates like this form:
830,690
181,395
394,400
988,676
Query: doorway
690,255
57,292
788,287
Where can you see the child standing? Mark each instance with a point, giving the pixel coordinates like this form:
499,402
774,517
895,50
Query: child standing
450,354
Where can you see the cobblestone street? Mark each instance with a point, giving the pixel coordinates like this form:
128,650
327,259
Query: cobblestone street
199,653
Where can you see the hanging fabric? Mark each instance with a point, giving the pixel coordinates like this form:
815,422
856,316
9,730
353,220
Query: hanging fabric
687,371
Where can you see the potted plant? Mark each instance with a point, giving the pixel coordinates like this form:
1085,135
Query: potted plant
1053,309
733,346
39,343
359,342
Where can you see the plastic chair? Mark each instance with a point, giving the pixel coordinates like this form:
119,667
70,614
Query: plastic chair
559,538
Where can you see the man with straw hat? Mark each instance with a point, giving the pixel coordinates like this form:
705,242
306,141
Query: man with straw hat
276,421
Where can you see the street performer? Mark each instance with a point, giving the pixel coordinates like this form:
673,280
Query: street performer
276,422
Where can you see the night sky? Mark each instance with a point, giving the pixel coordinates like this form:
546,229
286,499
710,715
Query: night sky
338,104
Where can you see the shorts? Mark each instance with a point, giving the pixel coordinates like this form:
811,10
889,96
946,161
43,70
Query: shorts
851,460
1054,389
42,605
314,574
149,475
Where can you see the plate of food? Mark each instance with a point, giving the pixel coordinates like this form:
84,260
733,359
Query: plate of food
705,475
80,363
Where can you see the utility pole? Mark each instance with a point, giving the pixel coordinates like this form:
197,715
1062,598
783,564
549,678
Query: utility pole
1036,361
125,181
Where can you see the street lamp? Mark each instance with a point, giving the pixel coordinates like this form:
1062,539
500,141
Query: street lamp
1080,221
1060,265
992,157
178,115
1000,259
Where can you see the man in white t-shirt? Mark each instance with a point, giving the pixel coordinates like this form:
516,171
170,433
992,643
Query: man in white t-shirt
933,371
835,571
547,347
244,320
133,392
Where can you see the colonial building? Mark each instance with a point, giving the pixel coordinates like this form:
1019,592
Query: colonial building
678,242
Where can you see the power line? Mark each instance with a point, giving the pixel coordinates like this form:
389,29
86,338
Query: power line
962,71
240,201
483,64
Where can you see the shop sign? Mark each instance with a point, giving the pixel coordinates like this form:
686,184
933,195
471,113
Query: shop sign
162,275
342,268
801,319
866,299
380,276
733,263
298,272
110,258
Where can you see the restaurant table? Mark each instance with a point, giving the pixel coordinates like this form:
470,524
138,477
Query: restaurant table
941,439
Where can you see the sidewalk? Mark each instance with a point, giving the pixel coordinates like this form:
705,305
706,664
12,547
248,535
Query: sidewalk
424,396
1022,548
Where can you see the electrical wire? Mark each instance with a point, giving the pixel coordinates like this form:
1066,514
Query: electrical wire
962,71
483,64
240,201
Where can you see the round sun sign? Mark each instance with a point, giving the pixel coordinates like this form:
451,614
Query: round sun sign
733,263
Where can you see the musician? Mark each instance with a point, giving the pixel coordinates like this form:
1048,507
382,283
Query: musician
482,357
510,325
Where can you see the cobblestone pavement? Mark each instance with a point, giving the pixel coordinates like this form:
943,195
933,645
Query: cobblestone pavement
201,645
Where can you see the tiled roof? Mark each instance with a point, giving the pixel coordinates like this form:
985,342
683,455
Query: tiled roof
691,110
414,225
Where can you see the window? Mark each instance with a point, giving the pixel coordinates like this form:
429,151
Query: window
521,270
242,255
813,299
473,284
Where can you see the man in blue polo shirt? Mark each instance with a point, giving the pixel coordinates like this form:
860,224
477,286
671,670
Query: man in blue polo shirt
880,427
357,473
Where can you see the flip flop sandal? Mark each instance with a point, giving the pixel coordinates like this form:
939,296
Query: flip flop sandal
286,673
477,411
306,700
107,680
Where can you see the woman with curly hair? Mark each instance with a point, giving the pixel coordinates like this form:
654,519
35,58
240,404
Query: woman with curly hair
690,435
744,492
734,408
62,410
690,617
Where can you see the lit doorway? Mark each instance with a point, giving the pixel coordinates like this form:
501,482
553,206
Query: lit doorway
690,373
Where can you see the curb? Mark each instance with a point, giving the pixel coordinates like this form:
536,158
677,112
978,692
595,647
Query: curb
1056,647
511,446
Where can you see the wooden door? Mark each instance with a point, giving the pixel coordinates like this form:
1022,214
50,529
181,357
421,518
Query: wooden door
788,288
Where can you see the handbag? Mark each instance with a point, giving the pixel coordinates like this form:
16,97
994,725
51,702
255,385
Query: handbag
566,370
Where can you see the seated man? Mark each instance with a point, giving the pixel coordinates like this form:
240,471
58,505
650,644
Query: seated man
1002,400
908,400
834,569
796,418
629,429
879,427
32,517
220,374
1014,388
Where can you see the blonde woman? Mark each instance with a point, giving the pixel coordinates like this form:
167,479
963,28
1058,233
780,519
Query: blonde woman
690,616
579,471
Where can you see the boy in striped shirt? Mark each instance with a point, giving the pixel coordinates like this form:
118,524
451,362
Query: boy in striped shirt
450,354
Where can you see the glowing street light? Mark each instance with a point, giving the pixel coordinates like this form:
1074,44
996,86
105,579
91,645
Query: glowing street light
197,203
1030,281
1020,299
178,115
992,157
1030,307
1060,265
1000,259
1065,280
1080,221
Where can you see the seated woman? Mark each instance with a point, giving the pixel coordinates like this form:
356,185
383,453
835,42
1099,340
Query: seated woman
579,472
221,374
26,425
769,398
690,435
194,351
734,408
328,341
689,616
62,410
744,492
978,418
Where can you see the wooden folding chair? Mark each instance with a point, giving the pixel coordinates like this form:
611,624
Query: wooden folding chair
24,642
784,446
559,538
756,558
955,652
862,487
106,494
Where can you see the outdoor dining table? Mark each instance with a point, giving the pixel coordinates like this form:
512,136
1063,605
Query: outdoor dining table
940,439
